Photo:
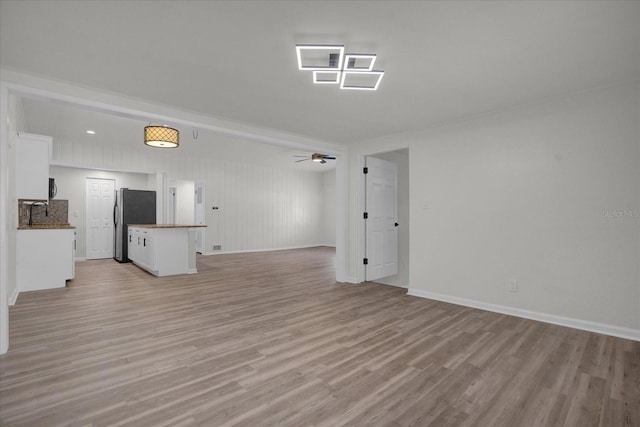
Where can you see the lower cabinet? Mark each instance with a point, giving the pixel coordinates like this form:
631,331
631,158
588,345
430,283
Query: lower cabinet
163,251
44,258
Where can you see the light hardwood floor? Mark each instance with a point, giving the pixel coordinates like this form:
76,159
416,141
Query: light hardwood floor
269,339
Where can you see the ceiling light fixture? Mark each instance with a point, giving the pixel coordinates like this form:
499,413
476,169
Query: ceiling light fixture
330,65
312,57
361,80
161,137
91,132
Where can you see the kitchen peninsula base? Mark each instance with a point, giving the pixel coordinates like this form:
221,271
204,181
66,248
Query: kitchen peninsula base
44,257
163,249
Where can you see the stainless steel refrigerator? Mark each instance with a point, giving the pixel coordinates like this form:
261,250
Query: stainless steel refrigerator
132,207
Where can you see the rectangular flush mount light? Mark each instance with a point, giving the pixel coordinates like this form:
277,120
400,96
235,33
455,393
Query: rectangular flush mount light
361,80
359,62
330,65
326,77
314,57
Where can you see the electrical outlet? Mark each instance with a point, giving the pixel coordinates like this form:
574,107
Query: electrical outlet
513,285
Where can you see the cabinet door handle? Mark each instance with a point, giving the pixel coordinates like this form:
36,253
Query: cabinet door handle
144,242
129,238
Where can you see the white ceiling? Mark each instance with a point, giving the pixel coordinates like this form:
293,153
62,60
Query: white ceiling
70,123
443,60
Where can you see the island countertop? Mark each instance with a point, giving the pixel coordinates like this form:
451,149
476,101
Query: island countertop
166,225
50,226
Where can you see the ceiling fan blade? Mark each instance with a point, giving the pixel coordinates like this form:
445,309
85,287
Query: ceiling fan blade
298,161
328,157
299,156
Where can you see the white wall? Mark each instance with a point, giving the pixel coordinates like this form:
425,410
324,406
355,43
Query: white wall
260,207
548,195
71,183
329,208
401,159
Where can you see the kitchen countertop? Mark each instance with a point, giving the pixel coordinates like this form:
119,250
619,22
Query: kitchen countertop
46,227
166,225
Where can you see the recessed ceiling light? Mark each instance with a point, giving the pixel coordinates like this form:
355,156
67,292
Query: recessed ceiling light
91,132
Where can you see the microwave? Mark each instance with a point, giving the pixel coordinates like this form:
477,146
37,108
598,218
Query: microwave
53,189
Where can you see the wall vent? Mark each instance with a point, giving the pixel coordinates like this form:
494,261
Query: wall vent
217,247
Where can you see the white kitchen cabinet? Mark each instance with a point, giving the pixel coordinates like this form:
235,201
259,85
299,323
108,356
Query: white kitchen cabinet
147,252
141,248
132,250
163,250
44,258
33,153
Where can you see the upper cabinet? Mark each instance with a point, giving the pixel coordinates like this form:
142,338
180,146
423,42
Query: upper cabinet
33,153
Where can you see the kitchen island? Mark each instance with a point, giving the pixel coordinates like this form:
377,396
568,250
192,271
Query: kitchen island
163,249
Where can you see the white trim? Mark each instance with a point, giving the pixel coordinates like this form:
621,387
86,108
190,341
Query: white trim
14,296
361,192
4,225
352,279
246,251
341,217
585,325
395,285
80,259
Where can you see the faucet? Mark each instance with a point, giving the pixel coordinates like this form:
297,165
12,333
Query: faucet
46,210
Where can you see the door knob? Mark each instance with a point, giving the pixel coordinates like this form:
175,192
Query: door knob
396,224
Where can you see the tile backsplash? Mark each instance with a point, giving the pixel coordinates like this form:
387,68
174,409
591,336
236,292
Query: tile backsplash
58,212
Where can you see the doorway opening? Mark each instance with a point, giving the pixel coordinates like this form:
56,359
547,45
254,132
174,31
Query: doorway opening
384,235
186,205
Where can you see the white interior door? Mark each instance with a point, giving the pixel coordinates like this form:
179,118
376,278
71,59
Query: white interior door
381,227
100,197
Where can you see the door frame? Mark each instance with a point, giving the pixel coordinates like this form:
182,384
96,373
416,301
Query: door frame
361,198
86,215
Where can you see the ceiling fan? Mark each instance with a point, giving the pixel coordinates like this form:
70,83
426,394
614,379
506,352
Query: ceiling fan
316,157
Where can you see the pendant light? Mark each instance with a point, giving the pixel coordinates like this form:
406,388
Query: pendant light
161,136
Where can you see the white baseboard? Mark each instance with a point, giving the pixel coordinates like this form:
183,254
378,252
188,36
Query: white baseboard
351,279
396,285
246,251
80,259
585,325
14,296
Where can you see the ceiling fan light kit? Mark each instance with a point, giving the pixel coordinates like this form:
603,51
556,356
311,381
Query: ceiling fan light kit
316,157
330,65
